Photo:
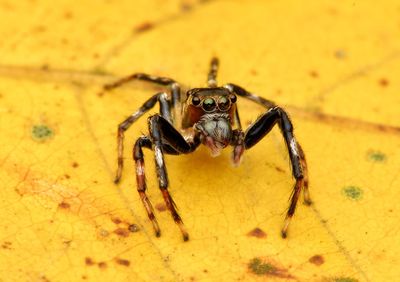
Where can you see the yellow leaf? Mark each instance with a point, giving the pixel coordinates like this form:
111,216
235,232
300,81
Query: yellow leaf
334,66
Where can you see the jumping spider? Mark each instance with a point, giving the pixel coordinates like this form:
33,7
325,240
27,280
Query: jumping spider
210,116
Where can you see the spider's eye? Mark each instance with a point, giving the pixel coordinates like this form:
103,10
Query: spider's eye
195,100
232,98
209,104
223,103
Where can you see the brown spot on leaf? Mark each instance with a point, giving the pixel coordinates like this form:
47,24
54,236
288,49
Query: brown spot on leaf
144,27
68,15
89,261
116,220
161,207
186,7
317,260
122,232
6,245
40,28
277,168
383,82
253,72
258,233
67,176
45,67
123,262
314,74
67,243
75,164
267,267
340,54
332,11
133,228
64,205
44,278
104,233
102,265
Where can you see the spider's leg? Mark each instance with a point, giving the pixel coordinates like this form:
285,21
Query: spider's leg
139,76
164,81
238,140
123,126
162,132
244,93
259,129
212,75
144,141
269,104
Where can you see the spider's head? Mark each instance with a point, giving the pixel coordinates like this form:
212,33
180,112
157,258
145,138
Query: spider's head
211,111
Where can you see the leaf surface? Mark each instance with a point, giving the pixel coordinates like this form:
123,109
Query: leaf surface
333,66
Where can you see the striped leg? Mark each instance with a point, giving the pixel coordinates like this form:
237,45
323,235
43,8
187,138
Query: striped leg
160,129
141,180
242,92
165,81
122,127
258,130
139,76
138,156
269,104
212,75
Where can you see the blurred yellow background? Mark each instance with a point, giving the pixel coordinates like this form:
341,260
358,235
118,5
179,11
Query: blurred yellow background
335,67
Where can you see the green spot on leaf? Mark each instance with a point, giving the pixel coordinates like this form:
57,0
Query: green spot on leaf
260,268
99,71
344,279
41,133
353,192
376,156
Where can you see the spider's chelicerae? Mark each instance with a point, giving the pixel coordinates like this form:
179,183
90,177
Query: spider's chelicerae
208,116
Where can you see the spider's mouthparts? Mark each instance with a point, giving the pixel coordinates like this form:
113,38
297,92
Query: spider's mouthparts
219,130
214,146
216,134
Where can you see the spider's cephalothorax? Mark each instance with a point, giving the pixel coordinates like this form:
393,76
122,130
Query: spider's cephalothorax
210,111
211,117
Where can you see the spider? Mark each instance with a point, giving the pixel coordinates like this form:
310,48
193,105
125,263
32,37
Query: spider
207,116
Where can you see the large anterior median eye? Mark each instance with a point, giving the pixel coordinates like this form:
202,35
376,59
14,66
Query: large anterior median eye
223,103
209,104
